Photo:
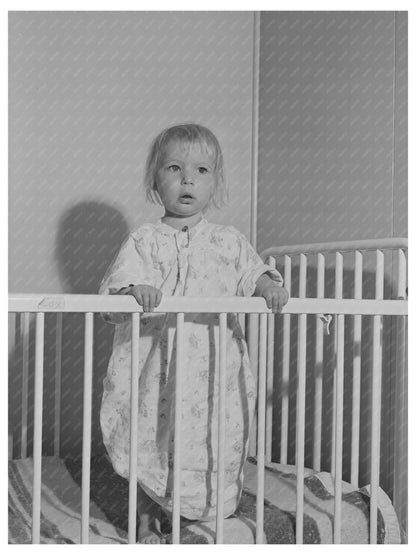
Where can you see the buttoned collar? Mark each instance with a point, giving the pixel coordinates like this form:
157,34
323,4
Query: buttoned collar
166,228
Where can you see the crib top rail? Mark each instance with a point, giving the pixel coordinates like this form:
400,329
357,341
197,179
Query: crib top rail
242,305
338,246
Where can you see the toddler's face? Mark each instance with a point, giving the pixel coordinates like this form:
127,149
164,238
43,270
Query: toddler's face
186,179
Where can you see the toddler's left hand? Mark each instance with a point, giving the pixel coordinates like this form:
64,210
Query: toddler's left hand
275,296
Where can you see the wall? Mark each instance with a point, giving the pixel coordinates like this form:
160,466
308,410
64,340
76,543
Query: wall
332,167
87,92
329,113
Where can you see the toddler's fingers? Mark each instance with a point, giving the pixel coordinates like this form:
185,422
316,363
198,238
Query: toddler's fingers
137,295
276,304
268,300
142,297
152,300
147,302
279,300
158,297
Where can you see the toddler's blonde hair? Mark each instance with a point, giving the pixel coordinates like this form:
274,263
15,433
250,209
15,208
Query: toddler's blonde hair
186,133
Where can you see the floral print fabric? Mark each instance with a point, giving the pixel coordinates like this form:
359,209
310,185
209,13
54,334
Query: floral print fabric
206,260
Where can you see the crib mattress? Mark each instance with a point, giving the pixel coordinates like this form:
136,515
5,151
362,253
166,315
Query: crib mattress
61,507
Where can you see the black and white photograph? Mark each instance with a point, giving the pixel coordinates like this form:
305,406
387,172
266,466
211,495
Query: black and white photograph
207,276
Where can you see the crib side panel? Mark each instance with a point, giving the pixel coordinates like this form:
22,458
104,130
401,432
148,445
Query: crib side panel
359,280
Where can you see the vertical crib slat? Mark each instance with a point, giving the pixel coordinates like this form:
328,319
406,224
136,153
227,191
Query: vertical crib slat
356,372
12,333
57,403
24,336
253,349
303,261
270,381
339,268
219,533
12,352
376,401
301,402
375,426
300,426
177,444
37,432
242,321
319,357
401,424
401,285
261,435
134,413
338,428
86,427
270,377
284,439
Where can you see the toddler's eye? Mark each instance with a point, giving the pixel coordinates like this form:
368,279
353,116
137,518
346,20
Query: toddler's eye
174,168
203,170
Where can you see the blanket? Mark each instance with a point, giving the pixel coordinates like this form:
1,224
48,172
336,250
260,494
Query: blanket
61,507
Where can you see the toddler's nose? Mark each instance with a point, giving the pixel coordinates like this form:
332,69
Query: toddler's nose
187,178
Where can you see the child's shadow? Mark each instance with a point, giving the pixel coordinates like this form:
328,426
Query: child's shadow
89,235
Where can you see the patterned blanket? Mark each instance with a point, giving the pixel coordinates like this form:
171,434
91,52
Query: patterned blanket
61,507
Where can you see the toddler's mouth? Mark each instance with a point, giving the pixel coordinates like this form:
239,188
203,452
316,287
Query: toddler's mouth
186,197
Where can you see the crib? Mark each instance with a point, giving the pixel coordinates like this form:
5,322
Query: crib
331,379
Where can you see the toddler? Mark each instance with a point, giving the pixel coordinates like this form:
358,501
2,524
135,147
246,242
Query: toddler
183,254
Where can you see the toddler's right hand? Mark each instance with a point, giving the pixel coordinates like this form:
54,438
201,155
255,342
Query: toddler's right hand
146,295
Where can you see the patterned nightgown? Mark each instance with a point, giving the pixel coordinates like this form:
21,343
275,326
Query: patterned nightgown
208,260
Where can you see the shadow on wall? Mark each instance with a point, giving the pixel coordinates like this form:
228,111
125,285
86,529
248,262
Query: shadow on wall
88,237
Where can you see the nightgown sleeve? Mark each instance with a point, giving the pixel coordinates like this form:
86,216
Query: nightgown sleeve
250,267
131,266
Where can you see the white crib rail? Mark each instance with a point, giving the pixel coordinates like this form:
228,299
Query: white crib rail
202,305
89,304
391,243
